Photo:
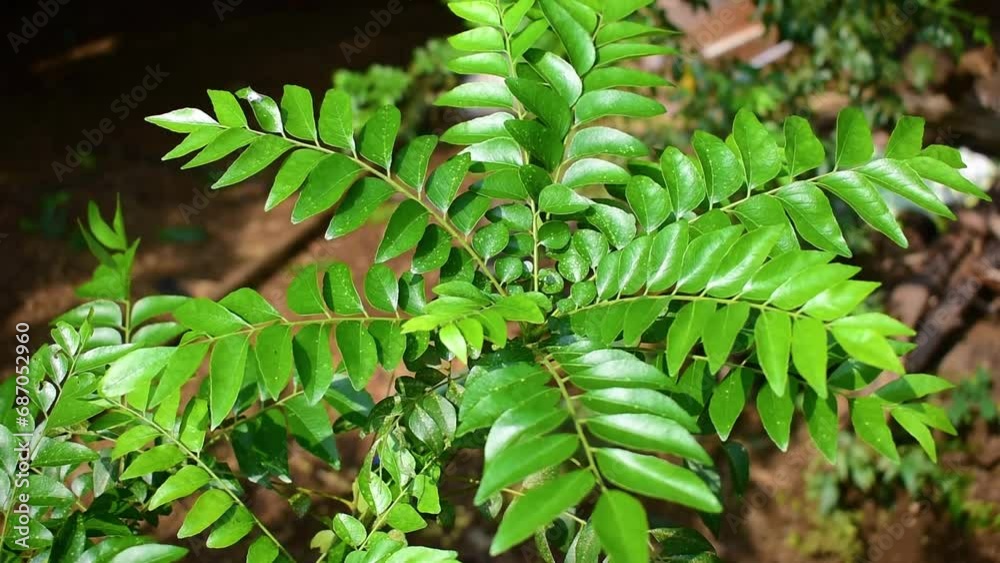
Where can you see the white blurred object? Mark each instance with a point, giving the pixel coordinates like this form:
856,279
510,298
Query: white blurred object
979,169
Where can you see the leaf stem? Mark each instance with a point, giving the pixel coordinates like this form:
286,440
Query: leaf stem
439,217
197,460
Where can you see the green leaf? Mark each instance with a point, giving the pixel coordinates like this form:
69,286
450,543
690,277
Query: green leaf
602,369
803,151
800,278
158,458
185,120
150,553
809,352
250,305
413,160
527,38
907,138
186,481
291,175
262,152
132,440
942,173
540,506
605,103
134,370
262,550
349,529
610,54
726,324
486,95
336,120
467,210
382,288
854,139
869,347
776,414
650,203
557,72
478,129
913,425
560,200
813,217
625,400
656,478
480,63
453,340
621,525
489,395
378,138
573,36
303,294
615,224
313,361
823,422
360,203
686,186
542,143
325,185
358,348
912,387
590,171
543,102
685,332
339,292
405,228
523,459
900,179
206,510
476,11
729,399
54,453
264,109
703,257
233,527
638,431
274,357
447,179
870,425
594,141
225,375
758,150
617,77
666,253
864,199
614,11
297,111
205,315
221,146
742,261
534,417
723,173
310,425
839,299
490,240
773,336
478,39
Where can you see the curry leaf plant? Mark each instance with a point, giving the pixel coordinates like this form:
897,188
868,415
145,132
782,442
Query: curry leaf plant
587,315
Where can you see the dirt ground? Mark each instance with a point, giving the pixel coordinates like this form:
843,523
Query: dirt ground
235,242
